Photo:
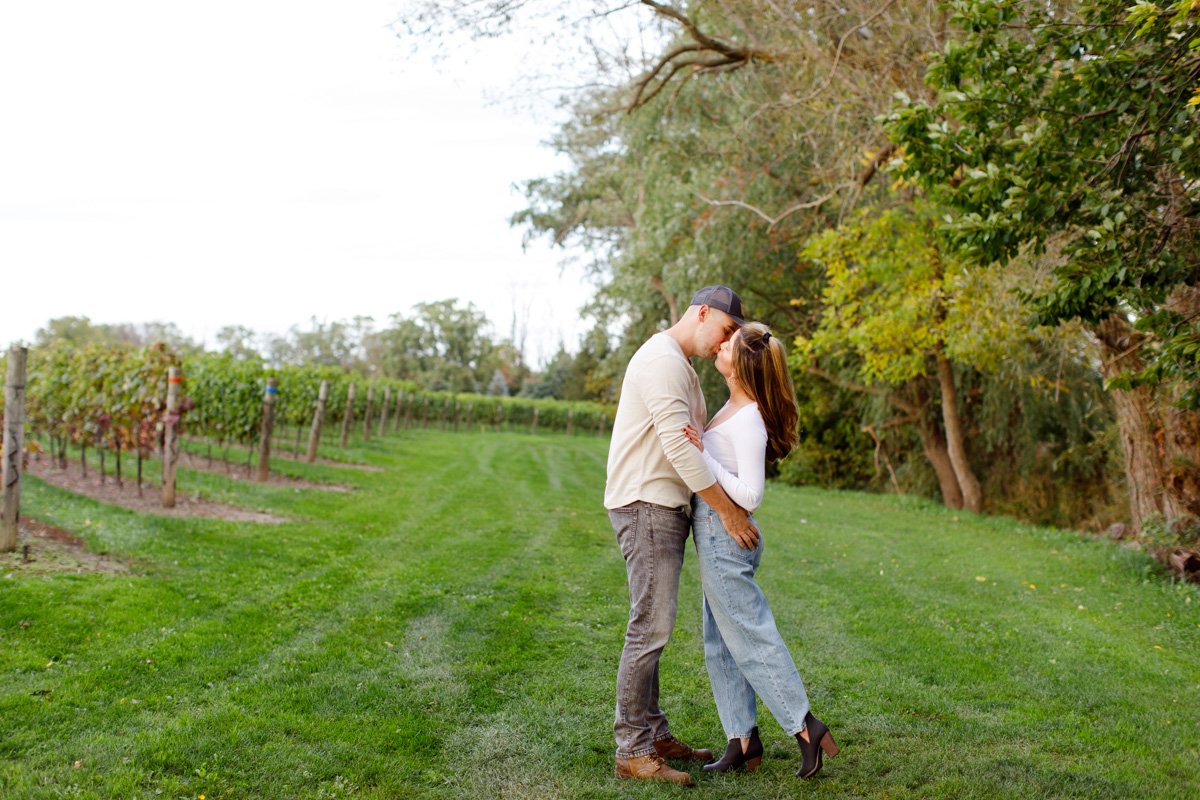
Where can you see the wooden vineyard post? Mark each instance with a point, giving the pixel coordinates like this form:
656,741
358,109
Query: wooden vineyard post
14,442
367,415
346,417
314,435
170,453
383,409
399,406
268,423
570,421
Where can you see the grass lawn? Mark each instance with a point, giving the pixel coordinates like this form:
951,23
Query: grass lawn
451,628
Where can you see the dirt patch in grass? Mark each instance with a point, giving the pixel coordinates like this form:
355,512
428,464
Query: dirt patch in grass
149,501
45,550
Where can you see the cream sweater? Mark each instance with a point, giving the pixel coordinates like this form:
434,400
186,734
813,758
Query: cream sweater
649,458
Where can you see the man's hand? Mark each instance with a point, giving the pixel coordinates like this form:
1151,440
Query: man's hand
738,525
735,519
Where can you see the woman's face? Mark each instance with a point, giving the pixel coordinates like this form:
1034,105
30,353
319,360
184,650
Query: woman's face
725,355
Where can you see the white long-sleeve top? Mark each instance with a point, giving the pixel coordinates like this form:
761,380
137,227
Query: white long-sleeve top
736,452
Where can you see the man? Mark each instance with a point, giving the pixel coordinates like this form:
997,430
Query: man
652,472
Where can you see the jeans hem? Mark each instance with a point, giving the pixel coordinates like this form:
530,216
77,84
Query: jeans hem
636,753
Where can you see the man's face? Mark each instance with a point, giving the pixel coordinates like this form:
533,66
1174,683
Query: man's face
716,328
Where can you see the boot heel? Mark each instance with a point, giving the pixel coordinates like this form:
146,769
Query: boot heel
753,763
829,745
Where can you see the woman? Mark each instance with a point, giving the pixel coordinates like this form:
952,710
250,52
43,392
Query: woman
742,647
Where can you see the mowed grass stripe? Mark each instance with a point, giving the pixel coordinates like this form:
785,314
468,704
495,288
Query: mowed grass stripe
451,629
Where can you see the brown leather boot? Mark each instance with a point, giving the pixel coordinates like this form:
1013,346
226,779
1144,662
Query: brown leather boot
651,768
674,749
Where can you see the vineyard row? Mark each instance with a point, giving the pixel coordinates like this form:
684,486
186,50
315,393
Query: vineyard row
115,398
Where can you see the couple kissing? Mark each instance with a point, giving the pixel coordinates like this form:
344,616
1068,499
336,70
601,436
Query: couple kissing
673,472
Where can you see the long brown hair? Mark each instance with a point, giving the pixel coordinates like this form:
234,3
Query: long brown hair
760,365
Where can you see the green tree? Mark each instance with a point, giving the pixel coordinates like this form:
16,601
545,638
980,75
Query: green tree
330,344
913,324
886,303
443,346
238,341
81,331
1075,136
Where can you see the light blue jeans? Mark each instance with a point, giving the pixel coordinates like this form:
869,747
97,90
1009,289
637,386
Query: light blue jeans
743,650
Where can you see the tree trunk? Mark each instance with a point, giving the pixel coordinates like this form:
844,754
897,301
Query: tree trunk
913,403
972,495
672,307
1160,442
934,446
1181,441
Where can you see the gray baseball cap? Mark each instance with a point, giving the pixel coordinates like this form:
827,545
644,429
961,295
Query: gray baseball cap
721,298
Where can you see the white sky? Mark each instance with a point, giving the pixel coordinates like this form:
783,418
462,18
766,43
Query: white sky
260,163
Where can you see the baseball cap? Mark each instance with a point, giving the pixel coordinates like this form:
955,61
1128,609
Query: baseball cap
721,298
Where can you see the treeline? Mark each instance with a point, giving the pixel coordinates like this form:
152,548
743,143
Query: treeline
978,222
440,346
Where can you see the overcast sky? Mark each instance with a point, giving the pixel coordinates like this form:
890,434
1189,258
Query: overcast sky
260,163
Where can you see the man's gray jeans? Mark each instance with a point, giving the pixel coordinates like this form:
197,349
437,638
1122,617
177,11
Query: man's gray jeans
652,539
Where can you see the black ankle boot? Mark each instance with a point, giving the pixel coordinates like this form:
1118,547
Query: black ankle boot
734,758
819,739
